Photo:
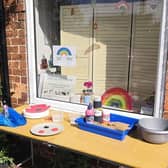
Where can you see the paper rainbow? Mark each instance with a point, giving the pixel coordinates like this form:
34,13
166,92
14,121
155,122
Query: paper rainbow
122,4
117,97
64,52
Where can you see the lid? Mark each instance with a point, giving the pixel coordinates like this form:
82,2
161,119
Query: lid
90,106
98,112
97,98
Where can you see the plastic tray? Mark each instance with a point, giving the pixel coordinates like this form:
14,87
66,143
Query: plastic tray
112,133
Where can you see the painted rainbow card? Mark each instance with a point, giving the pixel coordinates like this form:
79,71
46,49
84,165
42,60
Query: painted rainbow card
117,97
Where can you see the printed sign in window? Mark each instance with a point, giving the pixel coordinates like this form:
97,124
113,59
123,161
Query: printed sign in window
57,87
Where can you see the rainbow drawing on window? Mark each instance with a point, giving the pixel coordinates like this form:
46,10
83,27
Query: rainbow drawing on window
64,55
117,97
64,52
122,5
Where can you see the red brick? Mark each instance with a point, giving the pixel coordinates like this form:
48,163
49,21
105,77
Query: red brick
21,16
19,25
14,100
21,101
10,71
21,33
22,49
18,57
23,64
11,33
16,72
17,41
20,7
13,64
165,115
12,49
23,72
24,96
24,79
8,42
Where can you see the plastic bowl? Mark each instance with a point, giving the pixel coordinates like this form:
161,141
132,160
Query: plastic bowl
154,130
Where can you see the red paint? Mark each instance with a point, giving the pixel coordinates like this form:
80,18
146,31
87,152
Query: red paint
54,129
37,108
41,131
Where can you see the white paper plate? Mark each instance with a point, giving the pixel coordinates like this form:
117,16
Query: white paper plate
46,129
36,115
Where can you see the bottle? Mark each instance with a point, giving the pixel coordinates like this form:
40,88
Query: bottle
89,114
5,109
44,64
97,102
98,111
98,115
106,116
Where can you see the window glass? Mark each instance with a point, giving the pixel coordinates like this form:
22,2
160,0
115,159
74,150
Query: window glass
98,48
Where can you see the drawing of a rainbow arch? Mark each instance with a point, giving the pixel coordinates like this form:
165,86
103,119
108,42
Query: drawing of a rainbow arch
117,97
64,52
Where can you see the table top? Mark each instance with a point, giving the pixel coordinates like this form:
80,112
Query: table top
131,151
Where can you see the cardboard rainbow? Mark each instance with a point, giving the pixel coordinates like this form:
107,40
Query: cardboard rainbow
117,97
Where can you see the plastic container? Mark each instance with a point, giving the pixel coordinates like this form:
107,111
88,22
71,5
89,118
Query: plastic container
112,133
154,130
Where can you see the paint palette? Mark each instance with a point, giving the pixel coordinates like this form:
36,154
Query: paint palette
36,111
46,129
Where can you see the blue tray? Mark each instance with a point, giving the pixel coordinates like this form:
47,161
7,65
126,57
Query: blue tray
112,133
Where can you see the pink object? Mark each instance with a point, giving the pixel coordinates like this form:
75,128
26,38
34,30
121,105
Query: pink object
41,131
38,108
54,129
88,84
89,112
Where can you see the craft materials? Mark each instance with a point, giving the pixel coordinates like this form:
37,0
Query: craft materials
46,129
117,97
44,64
5,109
97,102
118,125
87,92
57,116
36,111
106,116
89,113
98,111
98,115
86,99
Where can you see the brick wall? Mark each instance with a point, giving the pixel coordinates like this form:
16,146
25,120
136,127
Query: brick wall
165,115
16,50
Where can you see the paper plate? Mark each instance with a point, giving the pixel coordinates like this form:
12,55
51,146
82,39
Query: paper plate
46,129
36,111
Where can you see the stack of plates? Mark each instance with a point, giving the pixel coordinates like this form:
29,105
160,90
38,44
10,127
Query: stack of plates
36,111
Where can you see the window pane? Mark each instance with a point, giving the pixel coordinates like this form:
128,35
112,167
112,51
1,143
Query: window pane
111,44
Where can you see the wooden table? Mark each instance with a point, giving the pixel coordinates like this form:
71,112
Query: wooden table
131,151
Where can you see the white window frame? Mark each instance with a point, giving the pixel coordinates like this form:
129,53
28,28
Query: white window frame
70,107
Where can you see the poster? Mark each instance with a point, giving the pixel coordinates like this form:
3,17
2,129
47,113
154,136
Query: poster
64,56
57,87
